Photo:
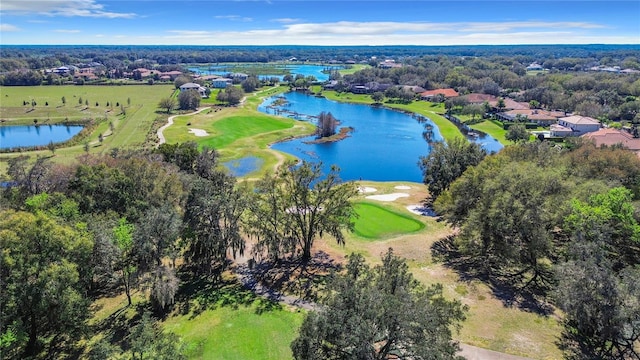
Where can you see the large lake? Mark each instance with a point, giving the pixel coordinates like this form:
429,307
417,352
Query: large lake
32,135
318,71
385,146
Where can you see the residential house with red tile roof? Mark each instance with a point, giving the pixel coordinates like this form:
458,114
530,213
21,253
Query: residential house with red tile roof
447,93
611,137
538,116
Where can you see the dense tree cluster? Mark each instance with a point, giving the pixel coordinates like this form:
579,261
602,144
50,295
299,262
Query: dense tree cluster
326,125
559,224
376,313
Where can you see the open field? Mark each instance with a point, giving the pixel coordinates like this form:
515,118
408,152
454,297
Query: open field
130,129
492,129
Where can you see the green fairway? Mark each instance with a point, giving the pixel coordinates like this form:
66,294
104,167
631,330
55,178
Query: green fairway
233,128
241,333
492,129
376,222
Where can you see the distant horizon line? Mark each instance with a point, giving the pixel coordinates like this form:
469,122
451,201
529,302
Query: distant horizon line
308,45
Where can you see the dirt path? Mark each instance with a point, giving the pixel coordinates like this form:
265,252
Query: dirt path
247,277
160,132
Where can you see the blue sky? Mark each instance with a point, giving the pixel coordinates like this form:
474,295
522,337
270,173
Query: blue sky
324,22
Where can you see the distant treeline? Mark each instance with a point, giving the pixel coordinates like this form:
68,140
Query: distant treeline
39,56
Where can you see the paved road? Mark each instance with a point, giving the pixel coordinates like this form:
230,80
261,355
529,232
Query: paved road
170,122
248,279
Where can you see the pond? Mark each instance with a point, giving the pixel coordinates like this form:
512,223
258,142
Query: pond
36,135
320,72
243,166
385,145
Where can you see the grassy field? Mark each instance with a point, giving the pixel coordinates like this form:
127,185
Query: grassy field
241,131
376,222
130,129
237,333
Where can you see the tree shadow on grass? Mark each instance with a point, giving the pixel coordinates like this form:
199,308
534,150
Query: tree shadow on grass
199,293
513,290
294,277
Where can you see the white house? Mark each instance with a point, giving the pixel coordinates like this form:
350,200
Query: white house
193,86
575,125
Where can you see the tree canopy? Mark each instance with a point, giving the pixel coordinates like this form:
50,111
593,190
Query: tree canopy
372,313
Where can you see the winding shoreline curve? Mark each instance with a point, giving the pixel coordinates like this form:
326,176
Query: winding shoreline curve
160,132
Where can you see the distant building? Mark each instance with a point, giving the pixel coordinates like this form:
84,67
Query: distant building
193,86
611,137
221,83
575,126
430,94
534,67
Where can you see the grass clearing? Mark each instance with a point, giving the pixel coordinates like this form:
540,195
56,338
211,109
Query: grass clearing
494,130
376,222
237,333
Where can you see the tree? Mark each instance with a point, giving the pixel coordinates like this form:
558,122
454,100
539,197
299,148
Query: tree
517,133
447,161
168,103
473,110
231,94
296,206
156,236
148,341
189,99
250,84
43,264
377,97
327,124
212,223
374,313
181,80
125,262
164,288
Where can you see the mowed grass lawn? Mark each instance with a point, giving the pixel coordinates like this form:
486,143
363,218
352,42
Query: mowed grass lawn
376,222
240,333
130,129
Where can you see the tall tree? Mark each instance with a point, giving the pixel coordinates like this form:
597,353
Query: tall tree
374,313
447,161
517,132
125,262
212,223
41,266
299,204
189,99
327,125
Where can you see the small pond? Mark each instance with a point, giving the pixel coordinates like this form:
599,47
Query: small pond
386,145
320,72
243,166
36,135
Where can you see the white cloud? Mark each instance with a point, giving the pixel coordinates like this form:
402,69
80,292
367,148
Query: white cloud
286,20
234,18
65,31
8,27
68,8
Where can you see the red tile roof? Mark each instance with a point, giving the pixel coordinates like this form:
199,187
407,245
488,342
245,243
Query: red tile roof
480,98
445,92
609,137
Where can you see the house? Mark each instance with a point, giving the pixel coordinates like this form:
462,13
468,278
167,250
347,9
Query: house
534,67
239,76
578,125
476,98
221,83
430,94
193,86
538,116
560,131
611,137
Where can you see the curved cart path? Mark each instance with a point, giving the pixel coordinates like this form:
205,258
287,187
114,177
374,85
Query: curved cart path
160,132
247,277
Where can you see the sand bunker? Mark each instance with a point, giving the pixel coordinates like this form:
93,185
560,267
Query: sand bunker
421,210
403,187
366,189
388,197
198,132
